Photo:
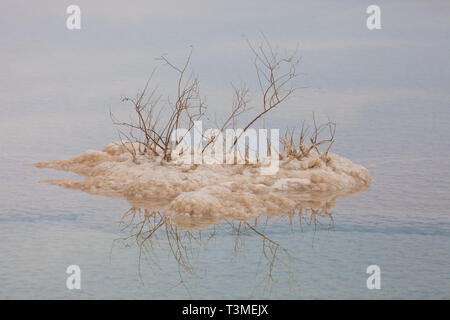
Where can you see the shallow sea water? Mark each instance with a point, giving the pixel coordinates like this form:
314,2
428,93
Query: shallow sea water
397,119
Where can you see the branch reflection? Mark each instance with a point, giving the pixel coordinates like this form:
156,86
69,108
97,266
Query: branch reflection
186,235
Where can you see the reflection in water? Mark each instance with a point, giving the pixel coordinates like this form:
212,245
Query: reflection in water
187,235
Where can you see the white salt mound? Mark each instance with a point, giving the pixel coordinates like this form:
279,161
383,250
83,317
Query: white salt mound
218,190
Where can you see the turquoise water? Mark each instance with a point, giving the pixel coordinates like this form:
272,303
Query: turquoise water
388,93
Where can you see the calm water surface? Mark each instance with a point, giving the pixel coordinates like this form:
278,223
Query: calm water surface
388,94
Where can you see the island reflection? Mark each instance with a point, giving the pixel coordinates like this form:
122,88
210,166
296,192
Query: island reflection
185,235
